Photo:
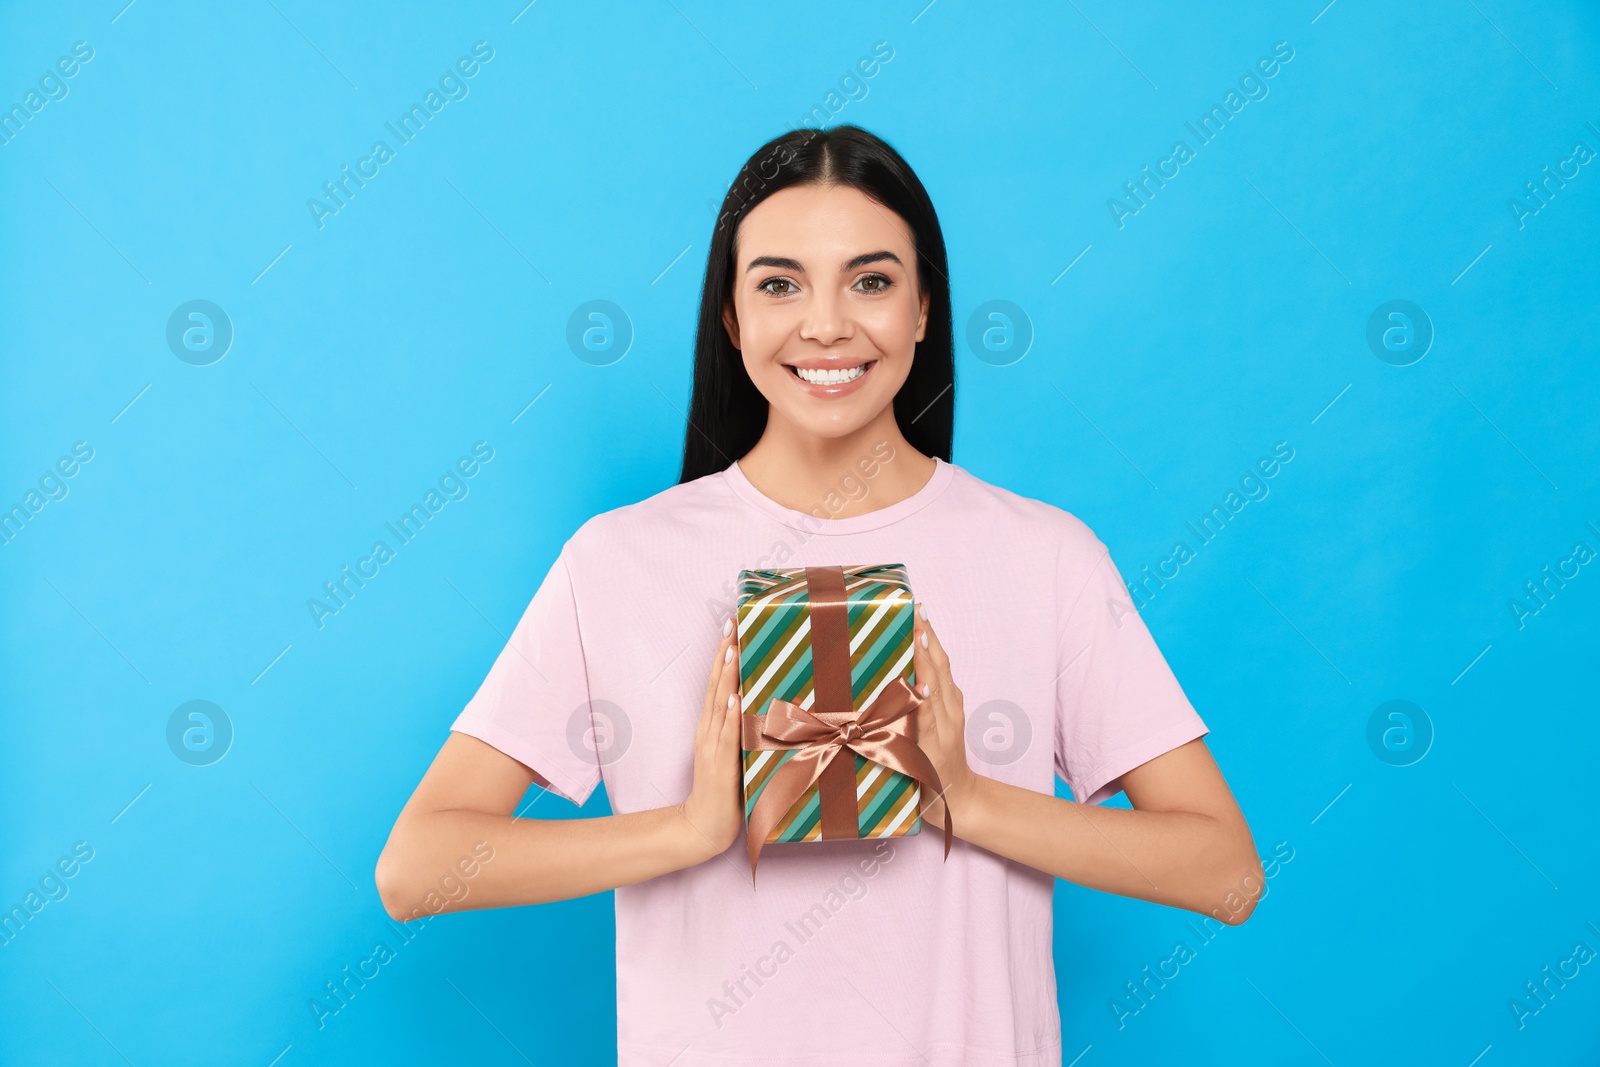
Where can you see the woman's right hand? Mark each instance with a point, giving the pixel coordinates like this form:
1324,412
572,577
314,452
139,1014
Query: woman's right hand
715,805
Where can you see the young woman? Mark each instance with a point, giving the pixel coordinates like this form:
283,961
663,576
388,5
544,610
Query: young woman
819,434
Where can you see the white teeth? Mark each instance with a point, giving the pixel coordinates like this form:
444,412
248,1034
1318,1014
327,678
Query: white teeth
830,377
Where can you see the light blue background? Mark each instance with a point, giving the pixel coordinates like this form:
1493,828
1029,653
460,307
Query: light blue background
1227,315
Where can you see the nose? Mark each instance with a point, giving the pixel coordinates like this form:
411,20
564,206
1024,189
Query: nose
826,319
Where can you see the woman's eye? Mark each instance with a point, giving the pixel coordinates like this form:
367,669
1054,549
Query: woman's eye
875,283
767,285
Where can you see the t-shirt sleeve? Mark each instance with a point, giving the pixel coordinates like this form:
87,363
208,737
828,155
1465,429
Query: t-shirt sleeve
534,704
1118,704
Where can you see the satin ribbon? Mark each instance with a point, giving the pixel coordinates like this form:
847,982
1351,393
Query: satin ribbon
823,739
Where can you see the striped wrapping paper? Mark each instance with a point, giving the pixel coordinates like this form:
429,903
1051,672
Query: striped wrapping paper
774,618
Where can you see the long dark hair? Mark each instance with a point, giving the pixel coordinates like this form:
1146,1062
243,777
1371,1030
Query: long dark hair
727,414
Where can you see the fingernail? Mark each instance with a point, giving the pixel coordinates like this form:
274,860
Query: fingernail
925,689
732,698
727,627
922,611
728,655
924,639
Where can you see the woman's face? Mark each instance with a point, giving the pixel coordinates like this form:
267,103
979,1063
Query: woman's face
825,308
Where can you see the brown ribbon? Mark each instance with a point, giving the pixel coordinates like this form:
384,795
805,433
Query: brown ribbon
883,731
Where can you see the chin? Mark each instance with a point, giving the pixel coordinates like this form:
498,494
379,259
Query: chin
838,425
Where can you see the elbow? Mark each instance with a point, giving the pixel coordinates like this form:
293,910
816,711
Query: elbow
394,885
1245,884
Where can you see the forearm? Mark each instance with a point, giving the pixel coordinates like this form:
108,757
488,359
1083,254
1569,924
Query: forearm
1178,858
534,861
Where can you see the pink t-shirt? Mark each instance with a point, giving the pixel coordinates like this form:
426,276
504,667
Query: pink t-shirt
864,952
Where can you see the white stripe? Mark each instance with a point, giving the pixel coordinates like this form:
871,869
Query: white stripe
866,629
761,760
897,671
760,603
759,687
915,793
870,623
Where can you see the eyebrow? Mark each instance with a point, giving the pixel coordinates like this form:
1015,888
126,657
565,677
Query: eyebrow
794,264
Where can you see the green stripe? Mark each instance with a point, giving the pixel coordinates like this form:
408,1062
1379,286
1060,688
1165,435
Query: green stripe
876,660
883,803
750,801
810,815
774,626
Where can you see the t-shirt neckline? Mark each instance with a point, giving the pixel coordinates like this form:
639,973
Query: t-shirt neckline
936,484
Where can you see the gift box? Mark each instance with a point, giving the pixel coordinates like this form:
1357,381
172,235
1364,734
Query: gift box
829,710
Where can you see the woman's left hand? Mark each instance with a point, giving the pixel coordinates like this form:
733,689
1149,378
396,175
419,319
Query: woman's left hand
941,721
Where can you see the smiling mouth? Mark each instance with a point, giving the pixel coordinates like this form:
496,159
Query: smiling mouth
821,376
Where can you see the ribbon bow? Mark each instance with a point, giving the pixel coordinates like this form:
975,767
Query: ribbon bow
822,739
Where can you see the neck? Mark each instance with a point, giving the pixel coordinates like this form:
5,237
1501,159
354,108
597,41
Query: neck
836,477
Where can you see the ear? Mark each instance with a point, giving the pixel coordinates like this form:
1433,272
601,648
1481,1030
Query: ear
730,322
922,316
